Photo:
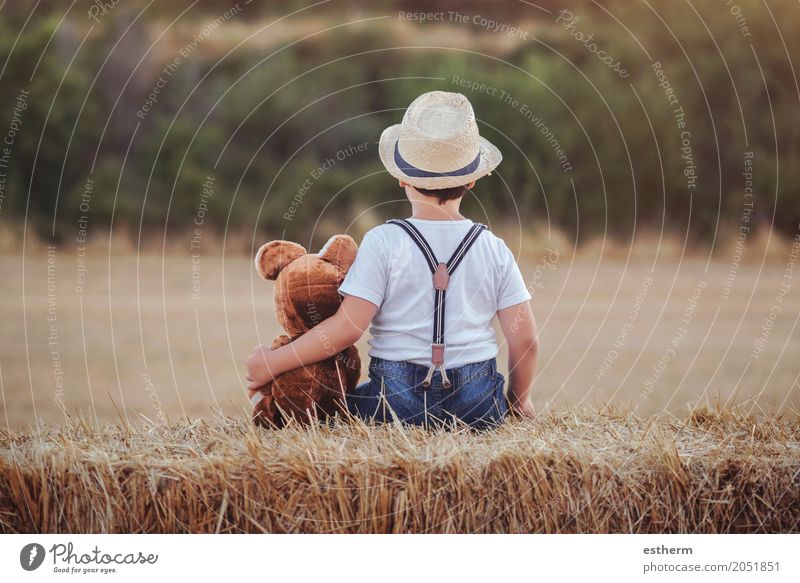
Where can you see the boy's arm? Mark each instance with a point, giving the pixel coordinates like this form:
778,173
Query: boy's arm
519,328
324,340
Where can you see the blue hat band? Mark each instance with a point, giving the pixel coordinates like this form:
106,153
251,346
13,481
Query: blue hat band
411,170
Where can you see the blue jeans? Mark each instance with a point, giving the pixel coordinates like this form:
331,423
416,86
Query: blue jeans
395,391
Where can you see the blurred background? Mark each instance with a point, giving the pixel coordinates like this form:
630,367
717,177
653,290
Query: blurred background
650,187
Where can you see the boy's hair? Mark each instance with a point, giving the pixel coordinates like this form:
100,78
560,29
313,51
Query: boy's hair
443,194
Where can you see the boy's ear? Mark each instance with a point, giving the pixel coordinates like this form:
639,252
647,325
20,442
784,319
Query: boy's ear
340,250
275,255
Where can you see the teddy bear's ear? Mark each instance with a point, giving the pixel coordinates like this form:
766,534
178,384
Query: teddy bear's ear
276,255
340,250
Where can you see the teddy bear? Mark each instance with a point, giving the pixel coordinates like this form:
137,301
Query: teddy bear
306,293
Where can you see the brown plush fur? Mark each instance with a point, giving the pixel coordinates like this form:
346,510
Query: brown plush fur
306,293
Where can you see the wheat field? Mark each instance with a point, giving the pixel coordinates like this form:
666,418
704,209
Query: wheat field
134,345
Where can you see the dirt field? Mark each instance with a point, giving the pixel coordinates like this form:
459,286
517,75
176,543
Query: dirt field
132,342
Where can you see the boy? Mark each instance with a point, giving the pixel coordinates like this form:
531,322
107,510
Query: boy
408,275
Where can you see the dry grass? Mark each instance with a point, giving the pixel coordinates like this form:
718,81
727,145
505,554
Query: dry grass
716,471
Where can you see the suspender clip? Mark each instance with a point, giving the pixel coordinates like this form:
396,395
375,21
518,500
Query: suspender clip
437,361
426,382
445,380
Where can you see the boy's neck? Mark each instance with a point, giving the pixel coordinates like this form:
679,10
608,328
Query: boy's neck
449,211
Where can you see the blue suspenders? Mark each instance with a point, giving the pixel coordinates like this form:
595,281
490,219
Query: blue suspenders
441,276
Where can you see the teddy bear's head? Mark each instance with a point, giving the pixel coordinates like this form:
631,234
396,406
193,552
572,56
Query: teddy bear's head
306,285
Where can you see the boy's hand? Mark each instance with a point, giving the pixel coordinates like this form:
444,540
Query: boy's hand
260,367
524,408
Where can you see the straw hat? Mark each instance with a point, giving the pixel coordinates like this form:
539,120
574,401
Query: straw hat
437,145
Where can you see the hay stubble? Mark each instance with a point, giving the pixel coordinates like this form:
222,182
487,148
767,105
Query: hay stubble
715,471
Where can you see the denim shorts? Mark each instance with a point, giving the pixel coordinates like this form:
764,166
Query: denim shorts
395,392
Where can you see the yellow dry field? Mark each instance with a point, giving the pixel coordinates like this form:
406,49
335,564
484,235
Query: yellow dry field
143,337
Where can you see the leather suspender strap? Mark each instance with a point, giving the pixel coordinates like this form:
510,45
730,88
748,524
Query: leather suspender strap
441,276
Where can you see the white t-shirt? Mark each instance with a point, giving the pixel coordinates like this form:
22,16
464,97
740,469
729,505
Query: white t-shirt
391,272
